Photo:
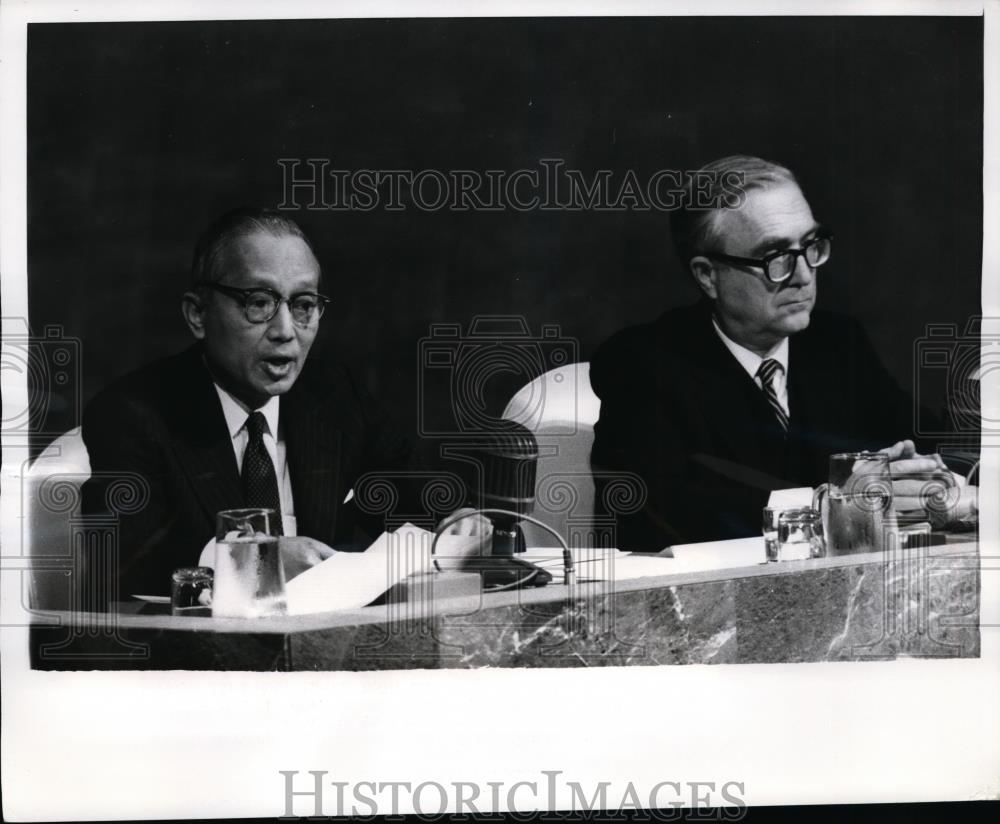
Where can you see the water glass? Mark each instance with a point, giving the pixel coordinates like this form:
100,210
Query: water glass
770,529
799,535
249,575
856,503
191,591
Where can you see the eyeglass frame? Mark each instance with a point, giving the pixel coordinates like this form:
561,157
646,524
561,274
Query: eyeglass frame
244,296
765,262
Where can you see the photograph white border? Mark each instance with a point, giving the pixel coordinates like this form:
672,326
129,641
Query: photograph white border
211,744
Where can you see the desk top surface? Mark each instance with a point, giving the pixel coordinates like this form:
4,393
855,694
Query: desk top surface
621,572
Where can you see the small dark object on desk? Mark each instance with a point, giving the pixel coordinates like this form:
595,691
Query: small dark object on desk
913,540
506,572
191,591
147,608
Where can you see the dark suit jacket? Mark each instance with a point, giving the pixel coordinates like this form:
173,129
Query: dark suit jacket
165,423
680,411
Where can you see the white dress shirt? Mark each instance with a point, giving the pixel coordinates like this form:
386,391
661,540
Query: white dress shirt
751,362
236,418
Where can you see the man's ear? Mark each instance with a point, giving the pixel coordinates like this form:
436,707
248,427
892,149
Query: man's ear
704,275
193,309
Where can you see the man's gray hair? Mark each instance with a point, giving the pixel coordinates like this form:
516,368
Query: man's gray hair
216,241
719,185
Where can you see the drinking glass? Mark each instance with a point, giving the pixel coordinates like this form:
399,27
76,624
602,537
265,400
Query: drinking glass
770,529
249,575
856,503
799,535
191,591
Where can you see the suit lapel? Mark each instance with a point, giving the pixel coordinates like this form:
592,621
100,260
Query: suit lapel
204,448
811,393
734,408
314,456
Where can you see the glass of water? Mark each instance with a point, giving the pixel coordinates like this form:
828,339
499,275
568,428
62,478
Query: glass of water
770,529
799,535
249,576
191,591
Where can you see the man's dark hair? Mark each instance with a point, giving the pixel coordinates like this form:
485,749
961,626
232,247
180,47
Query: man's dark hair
216,241
693,226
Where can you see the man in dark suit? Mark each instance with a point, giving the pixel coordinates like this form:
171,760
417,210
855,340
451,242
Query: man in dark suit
240,418
717,404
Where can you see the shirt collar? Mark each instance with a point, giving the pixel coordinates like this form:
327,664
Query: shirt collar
236,412
751,361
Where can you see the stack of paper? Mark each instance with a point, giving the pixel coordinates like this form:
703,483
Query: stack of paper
604,564
350,580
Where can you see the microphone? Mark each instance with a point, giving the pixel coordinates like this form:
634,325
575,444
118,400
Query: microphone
509,460
508,457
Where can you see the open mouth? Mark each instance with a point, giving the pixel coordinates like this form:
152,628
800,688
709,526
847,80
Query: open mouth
278,366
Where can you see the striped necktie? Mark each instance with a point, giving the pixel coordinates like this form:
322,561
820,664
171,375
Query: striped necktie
766,374
260,483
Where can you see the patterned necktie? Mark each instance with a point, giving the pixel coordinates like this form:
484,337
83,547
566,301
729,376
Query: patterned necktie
766,374
260,484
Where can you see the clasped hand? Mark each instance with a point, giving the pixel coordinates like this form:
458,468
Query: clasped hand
923,485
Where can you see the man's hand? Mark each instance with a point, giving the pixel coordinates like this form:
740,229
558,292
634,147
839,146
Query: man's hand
475,525
922,484
455,554
300,553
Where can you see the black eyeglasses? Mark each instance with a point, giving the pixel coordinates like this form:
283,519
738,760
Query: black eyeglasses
778,266
261,305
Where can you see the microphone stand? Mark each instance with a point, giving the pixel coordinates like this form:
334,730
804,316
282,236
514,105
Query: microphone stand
503,571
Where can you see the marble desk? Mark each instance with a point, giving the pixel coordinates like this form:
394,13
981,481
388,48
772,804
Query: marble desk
921,602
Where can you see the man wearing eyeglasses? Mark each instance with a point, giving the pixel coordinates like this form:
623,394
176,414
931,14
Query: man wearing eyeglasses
717,404
239,419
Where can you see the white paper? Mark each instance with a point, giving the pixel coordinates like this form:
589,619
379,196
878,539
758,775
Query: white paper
350,580
791,498
742,552
603,564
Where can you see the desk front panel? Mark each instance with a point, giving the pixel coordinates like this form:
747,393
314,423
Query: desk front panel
865,607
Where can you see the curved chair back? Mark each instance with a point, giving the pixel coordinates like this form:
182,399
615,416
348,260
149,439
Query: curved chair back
561,409
50,503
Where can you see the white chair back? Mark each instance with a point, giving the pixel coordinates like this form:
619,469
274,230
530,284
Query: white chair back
561,409
50,501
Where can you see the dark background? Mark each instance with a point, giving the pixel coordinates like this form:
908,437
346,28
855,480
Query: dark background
141,133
